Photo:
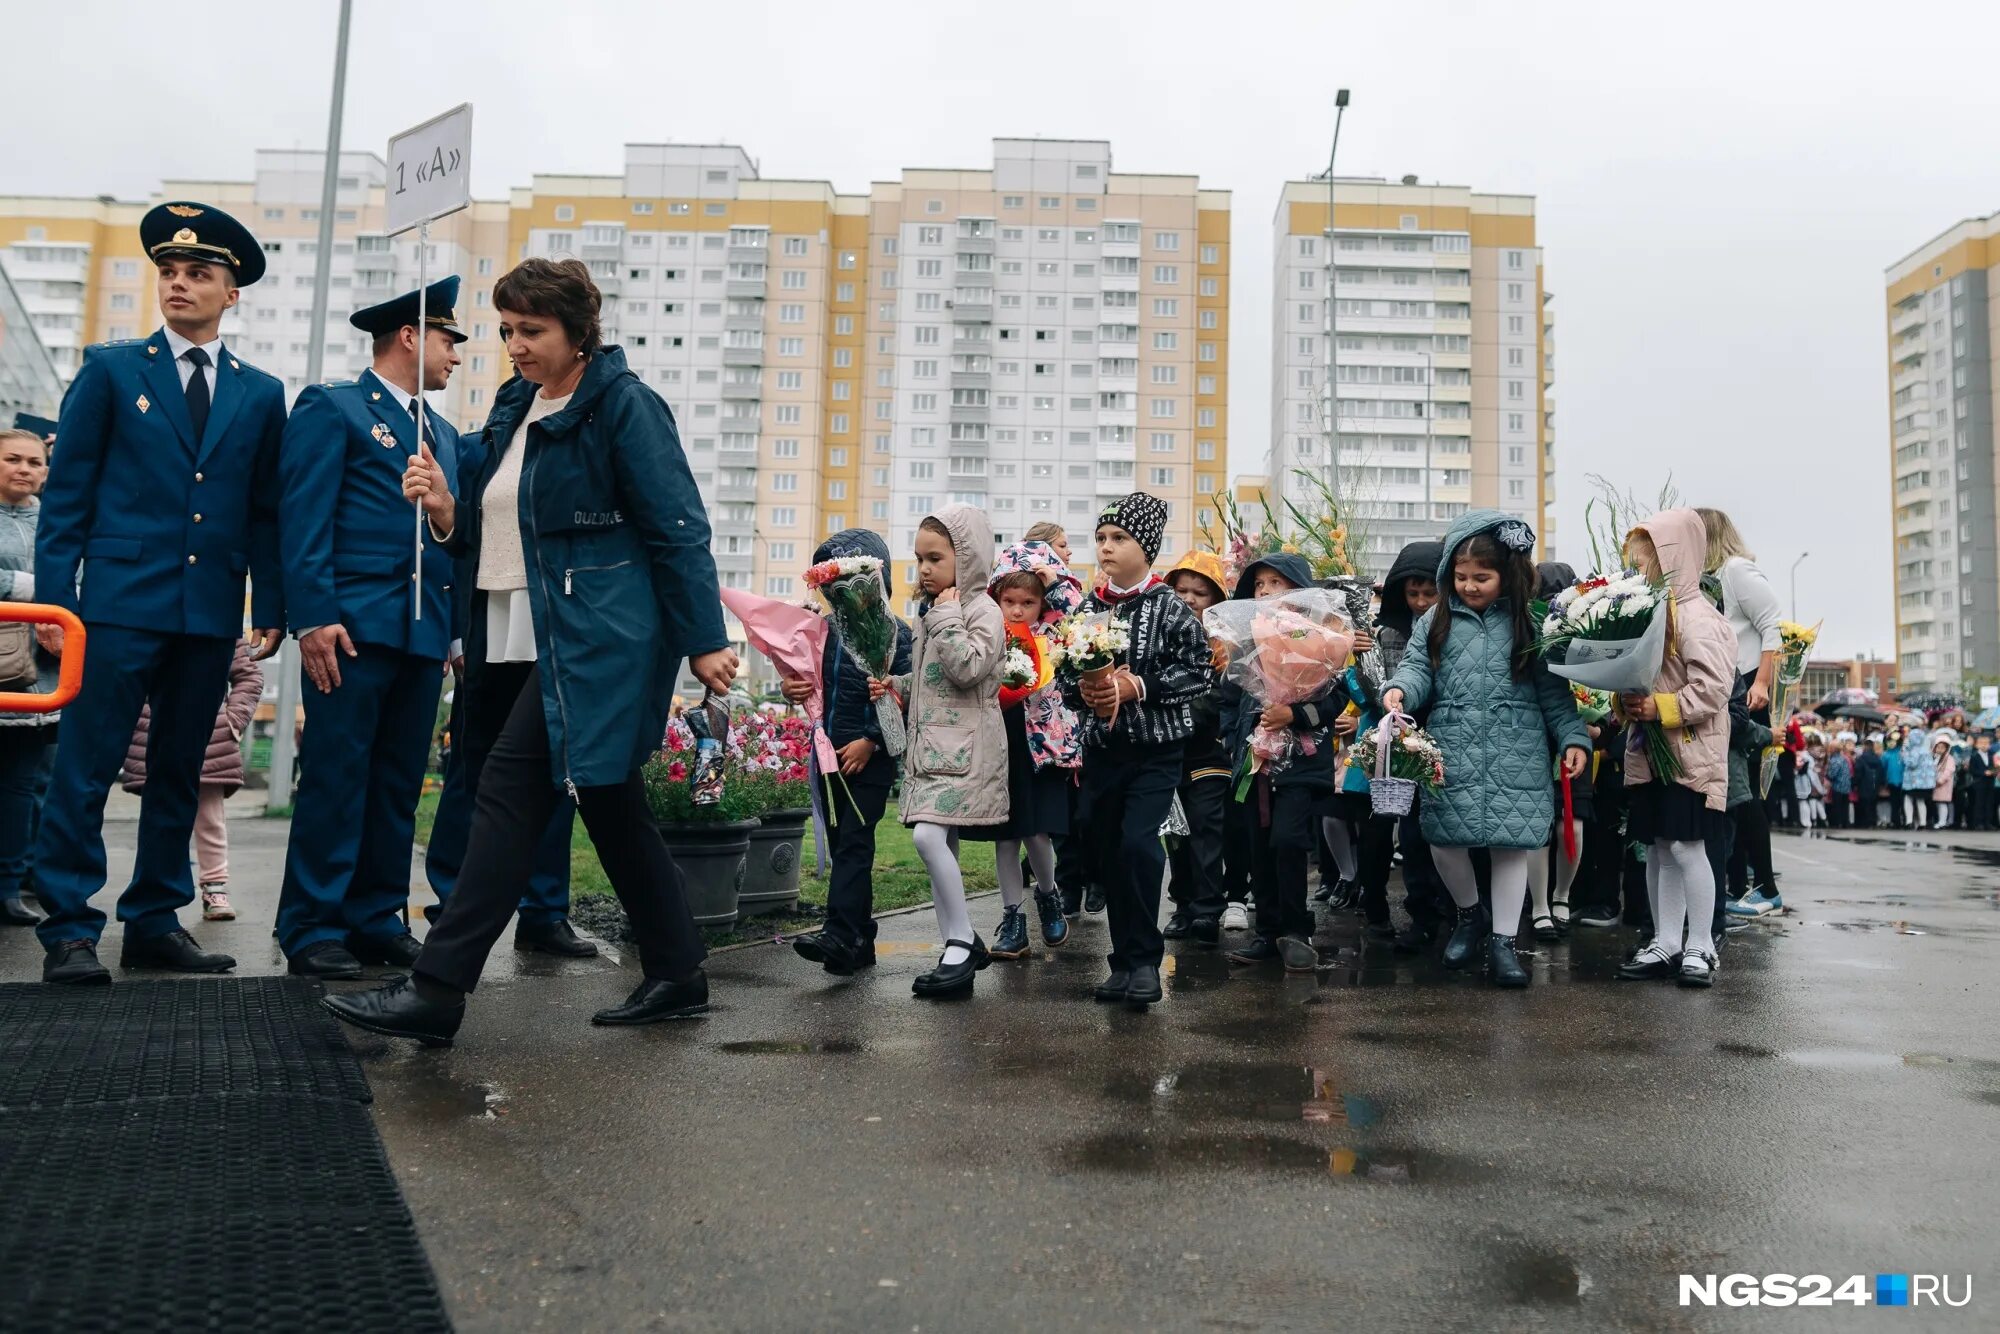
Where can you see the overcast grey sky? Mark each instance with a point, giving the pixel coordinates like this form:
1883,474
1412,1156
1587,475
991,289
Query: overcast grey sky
1720,185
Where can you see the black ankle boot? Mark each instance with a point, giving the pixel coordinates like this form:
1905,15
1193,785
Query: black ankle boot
1473,926
1502,965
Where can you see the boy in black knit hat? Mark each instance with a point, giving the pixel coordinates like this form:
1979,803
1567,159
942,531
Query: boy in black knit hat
1132,762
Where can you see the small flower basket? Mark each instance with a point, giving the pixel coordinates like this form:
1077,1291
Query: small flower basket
1402,758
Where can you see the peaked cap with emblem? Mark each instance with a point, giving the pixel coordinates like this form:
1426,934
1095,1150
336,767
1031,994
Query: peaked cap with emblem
183,229
439,300
1142,515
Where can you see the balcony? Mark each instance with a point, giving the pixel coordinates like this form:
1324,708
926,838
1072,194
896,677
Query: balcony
742,393
1112,351
1119,282
608,284
975,245
1115,486
745,252
744,289
973,277
743,356
1910,350
736,323
374,261
1119,249
70,264
1905,319
1904,379
739,487
733,562
973,312
606,249
971,380
972,339
979,415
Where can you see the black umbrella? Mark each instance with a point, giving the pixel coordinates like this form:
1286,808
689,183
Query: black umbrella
1861,713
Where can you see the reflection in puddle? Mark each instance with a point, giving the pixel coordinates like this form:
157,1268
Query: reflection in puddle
1842,1058
1257,1091
792,1047
1169,1155
1743,1049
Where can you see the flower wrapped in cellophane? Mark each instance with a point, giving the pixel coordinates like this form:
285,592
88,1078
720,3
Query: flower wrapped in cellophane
1609,632
1282,650
857,602
1795,643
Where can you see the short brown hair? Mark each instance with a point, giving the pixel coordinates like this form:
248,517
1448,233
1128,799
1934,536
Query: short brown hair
16,433
1044,532
555,289
1026,580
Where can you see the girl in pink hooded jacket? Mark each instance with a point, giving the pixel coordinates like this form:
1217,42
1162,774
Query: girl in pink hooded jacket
1690,703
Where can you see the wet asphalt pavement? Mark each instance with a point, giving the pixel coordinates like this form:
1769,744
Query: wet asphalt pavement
1382,1145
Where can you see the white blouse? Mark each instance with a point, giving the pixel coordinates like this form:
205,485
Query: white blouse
503,563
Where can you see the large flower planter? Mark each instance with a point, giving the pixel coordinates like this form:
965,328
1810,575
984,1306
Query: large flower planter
711,859
771,872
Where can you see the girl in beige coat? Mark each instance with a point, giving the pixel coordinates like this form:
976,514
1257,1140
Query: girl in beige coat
1690,700
955,770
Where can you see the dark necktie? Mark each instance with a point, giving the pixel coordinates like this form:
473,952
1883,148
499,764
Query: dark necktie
197,390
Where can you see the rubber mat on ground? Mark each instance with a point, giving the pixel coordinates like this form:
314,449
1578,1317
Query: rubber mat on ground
63,1046
196,1155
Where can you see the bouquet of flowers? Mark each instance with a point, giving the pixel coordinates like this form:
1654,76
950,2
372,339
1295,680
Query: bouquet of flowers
1282,650
1397,758
1090,643
1593,706
1610,634
1795,643
1017,669
857,602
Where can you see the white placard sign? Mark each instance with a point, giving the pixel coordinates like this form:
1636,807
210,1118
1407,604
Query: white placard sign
430,170
1989,697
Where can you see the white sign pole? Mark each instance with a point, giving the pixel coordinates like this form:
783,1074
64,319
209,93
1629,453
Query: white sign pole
423,338
430,175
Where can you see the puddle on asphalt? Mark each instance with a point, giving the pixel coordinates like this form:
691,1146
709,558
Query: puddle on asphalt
1842,1058
1869,924
1135,1153
1532,1276
1991,1097
1744,1049
1255,1091
792,1047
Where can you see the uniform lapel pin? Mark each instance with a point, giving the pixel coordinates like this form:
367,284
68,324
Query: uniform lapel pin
143,404
235,365
375,396
151,349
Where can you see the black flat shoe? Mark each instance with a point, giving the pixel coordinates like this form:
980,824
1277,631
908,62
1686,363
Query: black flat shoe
953,979
1205,931
1112,989
1259,950
1144,987
558,938
397,951
1649,962
397,1011
176,952
1503,966
73,963
654,1000
1177,925
13,912
328,960
1545,928
830,952
1473,927
1093,900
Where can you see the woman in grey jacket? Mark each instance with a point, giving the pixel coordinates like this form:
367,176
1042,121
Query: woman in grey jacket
27,740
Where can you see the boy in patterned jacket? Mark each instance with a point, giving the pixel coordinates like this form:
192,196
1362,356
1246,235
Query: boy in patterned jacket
1132,761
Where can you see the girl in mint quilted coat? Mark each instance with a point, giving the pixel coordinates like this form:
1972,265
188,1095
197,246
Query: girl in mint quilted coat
1501,717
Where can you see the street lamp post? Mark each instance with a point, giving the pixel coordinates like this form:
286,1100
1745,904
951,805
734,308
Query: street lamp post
1329,408
1795,582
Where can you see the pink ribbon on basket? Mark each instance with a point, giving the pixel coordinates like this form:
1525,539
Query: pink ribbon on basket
1385,737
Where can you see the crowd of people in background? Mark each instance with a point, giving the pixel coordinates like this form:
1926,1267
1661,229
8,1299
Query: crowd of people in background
1936,774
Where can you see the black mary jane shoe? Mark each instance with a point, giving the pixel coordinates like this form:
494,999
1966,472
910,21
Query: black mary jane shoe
398,1011
1545,928
176,952
657,999
558,938
951,979
1143,988
13,912
397,951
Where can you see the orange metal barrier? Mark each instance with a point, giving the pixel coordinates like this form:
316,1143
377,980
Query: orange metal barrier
70,678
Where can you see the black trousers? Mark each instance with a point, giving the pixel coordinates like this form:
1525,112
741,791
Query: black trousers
1127,788
1425,898
1750,856
850,850
1195,862
1239,827
509,814
1280,857
1375,854
1982,805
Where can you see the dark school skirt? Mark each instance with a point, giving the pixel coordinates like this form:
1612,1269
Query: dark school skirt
1669,813
1037,801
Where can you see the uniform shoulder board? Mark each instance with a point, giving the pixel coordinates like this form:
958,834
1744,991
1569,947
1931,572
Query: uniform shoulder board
337,384
118,342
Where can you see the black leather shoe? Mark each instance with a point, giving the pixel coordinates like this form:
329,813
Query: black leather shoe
1177,925
13,912
1502,965
397,1011
1113,989
1072,903
1259,950
73,963
433,911
397,951
1473,927
655,999
1205,930
951,979
830,952
327,960
558,938
1093,899
175,951
1144,988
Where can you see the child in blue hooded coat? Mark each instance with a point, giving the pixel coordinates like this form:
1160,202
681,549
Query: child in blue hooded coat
1495,708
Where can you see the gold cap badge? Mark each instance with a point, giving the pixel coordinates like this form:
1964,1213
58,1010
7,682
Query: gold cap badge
185,236
184,210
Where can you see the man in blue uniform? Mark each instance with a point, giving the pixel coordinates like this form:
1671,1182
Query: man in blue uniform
161,496
373,663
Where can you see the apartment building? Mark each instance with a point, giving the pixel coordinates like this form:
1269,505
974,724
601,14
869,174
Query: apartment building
1941,338
1034,336
29,381
1443,357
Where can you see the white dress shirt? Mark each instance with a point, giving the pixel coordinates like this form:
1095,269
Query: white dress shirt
179,346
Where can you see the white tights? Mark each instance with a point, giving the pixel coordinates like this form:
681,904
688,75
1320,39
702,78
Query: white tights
1510,882
1684,902
938,846
1342,842
1007,866
1943,815
1538,875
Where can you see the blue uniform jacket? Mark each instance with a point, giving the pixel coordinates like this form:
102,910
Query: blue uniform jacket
162,527
349,536
620,578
